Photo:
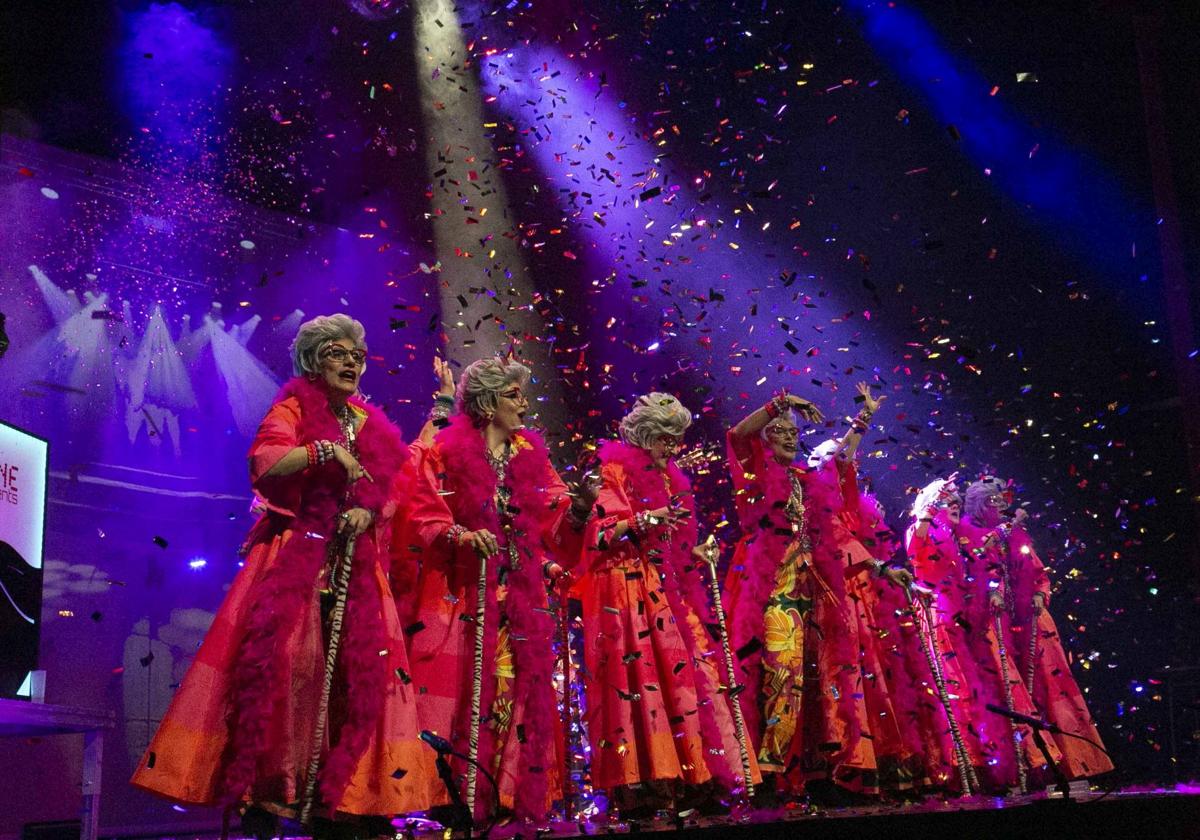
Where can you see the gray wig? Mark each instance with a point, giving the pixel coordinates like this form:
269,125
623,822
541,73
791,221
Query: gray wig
483,380
315,335
652,416
975,502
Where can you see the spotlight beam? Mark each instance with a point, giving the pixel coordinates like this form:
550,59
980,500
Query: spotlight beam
487,296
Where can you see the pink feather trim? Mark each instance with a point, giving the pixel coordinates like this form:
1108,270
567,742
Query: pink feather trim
256,690
472,483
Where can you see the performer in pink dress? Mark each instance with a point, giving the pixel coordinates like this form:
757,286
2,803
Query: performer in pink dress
853,733
944,576
254,718
768,585
1040,668
657,718
486,489
998,673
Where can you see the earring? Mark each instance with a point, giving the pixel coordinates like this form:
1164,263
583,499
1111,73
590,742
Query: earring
311,377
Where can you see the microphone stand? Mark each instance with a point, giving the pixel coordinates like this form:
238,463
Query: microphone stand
459,815
1061,783
1036,727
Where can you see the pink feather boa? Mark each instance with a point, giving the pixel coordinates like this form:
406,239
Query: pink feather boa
766,534
830,518
906,673
683,579
472,501
281,596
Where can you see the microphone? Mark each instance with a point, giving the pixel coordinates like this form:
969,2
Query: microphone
440,744
1028,720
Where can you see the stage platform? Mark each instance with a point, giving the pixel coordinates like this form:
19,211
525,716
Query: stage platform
1158,814
1144,813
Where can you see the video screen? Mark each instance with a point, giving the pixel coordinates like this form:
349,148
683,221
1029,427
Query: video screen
23,474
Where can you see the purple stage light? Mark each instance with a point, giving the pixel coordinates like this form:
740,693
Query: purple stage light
172,68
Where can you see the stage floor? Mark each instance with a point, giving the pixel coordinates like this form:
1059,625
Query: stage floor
1144,813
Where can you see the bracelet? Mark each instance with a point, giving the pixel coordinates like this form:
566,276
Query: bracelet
310,452
444,400
641,523
777,405
455,533
323,451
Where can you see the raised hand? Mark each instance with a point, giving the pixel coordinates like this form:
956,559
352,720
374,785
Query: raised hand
584,491
805,409
445,376
870,402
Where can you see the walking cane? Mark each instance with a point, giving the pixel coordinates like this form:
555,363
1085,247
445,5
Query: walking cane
568,707
1008,699
1033,646
341,587
476,687
933,657
732,689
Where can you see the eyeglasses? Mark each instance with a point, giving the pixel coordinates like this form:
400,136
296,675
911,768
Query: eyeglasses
1000,500
340,354
783,431
516,396
670,440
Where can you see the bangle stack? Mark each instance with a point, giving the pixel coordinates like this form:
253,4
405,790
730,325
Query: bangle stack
642,522
455,533
777,405
319,451
862,420
439,415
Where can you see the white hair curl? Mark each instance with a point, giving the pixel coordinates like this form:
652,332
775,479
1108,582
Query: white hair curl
652,416
975,502
939,490
314,335
483,380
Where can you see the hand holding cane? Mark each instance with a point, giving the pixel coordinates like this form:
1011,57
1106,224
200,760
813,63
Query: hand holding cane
711,553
